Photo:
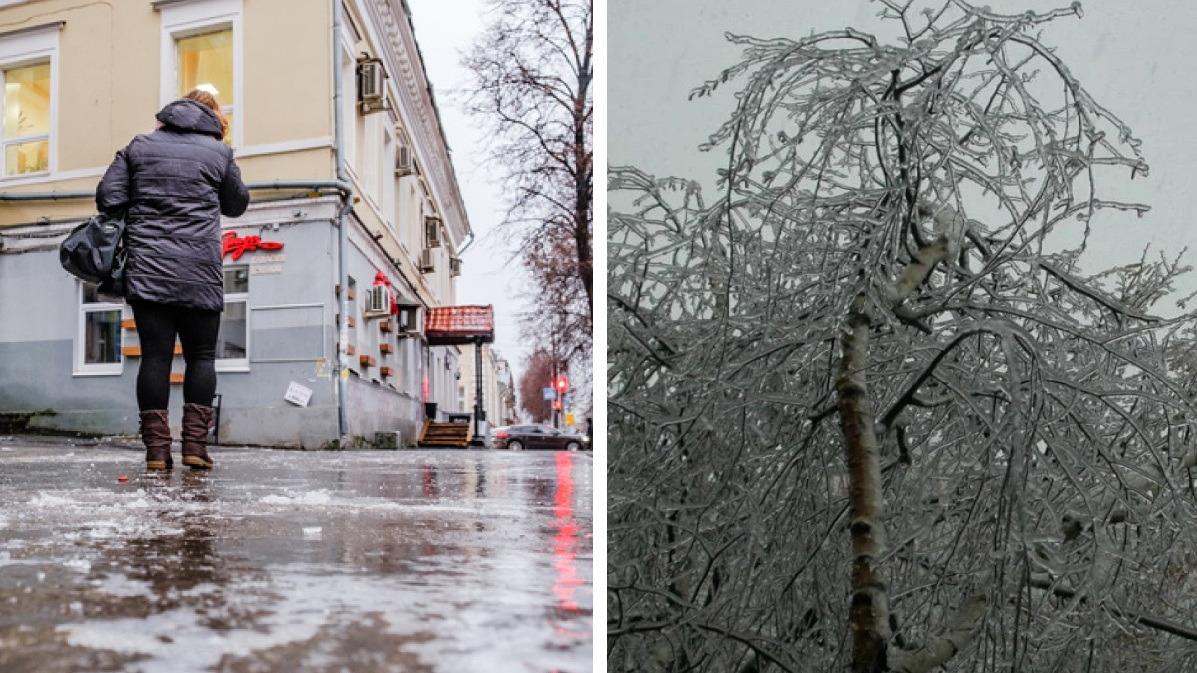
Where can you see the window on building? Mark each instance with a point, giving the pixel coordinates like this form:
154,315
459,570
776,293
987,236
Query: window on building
399,192
357,125
26,135
442,275
205,61
201,49
99,337
232,345
349,109
387,176
369,157
407,211
411,227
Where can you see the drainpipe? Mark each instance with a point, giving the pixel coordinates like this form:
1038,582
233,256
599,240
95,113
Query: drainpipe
341,186
342,373
46,196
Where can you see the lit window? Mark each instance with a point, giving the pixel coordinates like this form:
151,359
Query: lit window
205,62
201,49
26,135
232,345
99,350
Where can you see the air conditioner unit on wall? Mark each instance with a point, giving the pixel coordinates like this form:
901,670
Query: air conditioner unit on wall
427,261
405,164
432,231
378,301
371,86
409,321
455,266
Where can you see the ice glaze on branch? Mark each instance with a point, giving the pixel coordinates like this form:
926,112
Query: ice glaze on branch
903,278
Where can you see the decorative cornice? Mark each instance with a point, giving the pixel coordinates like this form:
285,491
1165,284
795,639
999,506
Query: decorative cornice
404,62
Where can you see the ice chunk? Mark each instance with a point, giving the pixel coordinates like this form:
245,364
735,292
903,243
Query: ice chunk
49,500
318,497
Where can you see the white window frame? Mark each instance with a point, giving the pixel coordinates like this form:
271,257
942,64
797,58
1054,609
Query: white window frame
415,232
410,220
390,151
31,48
349,108
369,177
82,367
238,364
197,18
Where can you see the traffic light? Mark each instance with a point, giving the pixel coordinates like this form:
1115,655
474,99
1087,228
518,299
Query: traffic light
562,384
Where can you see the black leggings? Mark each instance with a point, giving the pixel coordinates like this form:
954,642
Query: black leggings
157,326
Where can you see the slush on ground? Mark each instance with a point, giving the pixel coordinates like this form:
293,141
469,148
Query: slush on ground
371,561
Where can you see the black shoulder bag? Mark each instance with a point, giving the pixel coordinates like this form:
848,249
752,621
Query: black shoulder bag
95,252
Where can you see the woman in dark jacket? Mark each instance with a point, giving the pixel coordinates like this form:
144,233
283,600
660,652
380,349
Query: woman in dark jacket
172,186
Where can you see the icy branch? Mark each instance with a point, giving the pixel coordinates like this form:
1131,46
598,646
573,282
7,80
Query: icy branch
939,651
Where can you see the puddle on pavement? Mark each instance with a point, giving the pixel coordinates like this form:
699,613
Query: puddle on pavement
285,561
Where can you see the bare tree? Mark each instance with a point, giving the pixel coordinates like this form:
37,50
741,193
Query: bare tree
898,250
560,316
537,375
532,88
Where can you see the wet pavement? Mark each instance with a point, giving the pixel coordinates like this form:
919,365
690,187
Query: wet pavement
369,561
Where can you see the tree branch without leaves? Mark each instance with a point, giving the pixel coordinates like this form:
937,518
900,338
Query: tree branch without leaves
532,88
883,237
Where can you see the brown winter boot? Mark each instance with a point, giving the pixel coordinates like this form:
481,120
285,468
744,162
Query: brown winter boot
155,434
196,420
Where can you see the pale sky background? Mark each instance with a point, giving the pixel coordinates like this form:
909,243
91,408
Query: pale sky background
1136,58
489,276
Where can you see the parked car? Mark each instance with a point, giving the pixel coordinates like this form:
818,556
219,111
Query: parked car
537,437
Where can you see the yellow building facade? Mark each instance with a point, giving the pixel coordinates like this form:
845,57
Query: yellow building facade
81,78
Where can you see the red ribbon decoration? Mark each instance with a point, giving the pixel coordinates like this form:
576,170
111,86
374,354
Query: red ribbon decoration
230,242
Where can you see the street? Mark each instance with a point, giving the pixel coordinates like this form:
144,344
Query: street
410,560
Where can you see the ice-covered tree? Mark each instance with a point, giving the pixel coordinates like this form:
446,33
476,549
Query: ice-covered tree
532,88
868,409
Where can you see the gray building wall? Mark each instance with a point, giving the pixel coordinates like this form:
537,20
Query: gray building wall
292,338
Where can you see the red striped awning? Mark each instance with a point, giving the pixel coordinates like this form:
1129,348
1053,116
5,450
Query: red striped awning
451,325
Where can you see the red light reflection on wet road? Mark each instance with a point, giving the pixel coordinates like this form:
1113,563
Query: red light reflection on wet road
565,541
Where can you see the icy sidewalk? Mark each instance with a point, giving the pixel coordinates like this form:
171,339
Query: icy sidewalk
294,561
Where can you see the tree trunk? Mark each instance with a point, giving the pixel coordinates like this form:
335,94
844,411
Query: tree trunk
583,188
869,615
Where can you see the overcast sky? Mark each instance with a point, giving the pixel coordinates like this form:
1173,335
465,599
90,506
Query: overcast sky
1135,58
444,30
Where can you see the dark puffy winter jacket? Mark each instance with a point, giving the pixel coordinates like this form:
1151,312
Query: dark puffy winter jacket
172,186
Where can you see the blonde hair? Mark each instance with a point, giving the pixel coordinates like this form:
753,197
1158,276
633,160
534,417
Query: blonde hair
208,100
